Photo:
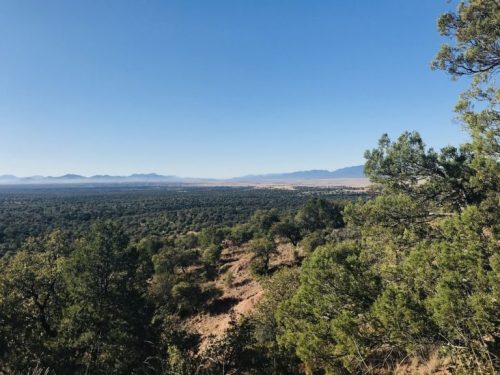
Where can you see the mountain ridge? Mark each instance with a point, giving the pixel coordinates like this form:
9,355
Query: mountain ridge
313,174
347,172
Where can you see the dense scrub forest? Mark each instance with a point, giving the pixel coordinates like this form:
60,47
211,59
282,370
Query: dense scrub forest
141,210
405,282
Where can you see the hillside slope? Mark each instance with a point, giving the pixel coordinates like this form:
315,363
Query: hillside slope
241,291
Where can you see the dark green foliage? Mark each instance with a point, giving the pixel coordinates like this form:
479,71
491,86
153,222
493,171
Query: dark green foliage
278,358
105,316
188,241
177,285
326,319
407,166
287,229
185,296
190,297
319,214
474,51
32,299
263,220
241,233
311,241
211,255
211,236
142,211
79,312
234,353
262,249
476,30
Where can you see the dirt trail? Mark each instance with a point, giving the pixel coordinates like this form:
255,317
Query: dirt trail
239,295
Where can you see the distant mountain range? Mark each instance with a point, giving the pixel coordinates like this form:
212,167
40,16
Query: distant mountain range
75,178
349,172
315,174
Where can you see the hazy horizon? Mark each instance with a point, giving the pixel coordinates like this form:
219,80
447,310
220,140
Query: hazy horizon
179,176
216,89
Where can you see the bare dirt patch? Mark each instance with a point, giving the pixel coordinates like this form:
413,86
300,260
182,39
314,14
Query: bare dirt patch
240,294
241,290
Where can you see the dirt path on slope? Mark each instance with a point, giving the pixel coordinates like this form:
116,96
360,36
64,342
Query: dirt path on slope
240,294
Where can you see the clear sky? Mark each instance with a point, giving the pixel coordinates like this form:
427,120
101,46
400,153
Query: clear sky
215,88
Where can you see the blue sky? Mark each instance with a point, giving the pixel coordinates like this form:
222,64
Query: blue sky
216,88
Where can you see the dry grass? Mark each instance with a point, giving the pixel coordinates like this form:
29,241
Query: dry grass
434,365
